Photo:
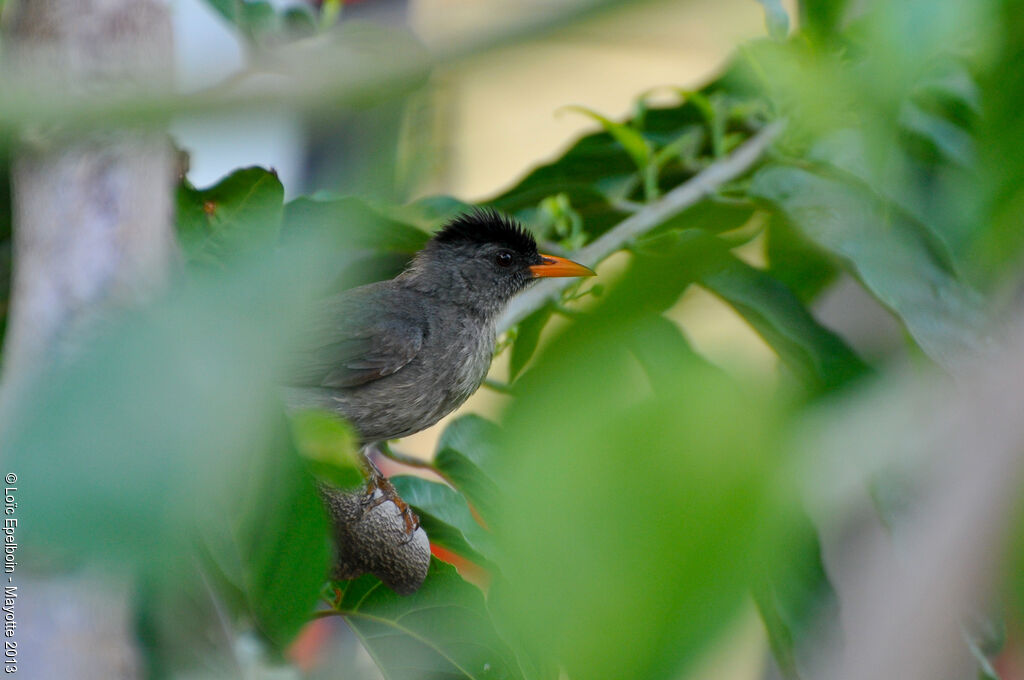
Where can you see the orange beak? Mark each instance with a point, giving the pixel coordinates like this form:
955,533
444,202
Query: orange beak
553,265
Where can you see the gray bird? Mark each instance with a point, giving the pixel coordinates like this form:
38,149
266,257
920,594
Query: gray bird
396,356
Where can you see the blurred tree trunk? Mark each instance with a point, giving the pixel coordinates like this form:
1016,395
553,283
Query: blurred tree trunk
92,232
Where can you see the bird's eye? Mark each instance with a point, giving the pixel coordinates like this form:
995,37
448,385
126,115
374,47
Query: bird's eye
503,258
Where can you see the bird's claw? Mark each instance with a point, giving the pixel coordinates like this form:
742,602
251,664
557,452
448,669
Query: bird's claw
378,482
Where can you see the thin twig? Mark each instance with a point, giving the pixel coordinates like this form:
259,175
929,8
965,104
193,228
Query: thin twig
404,458
316,74
652,215
499,387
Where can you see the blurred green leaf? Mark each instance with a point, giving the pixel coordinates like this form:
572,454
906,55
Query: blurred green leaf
241,212
446,518
945,137
205,645
796,262
821,18
284,548
998,248
430,212
797,602
329,445
536,658
252,17
441,630
354,223
659,346
466,456
710,215
818,356
526,341
299,21
775,18
624,508
885,252
381,242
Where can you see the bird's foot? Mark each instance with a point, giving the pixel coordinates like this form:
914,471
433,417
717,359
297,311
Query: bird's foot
376,481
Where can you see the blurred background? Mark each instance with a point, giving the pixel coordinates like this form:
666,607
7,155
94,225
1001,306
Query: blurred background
776,438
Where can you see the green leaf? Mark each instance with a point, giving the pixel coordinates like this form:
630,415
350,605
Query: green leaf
822,18
430,212
466,456
886,252
626,504
383,241
354,223
796,601
526,341
710,215
240,213
441,630
286,552
796,262
446,517
661,349
473,436
947,138
252,17
536,658
818,356
631,140
330,445
775,18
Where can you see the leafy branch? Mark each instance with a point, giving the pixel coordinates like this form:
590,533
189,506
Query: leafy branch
647,218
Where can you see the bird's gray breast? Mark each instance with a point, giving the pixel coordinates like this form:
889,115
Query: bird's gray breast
461,352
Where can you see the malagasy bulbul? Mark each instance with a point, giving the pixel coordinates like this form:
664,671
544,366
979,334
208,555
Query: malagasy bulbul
396,356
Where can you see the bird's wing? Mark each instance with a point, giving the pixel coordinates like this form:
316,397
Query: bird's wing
362,341
380,350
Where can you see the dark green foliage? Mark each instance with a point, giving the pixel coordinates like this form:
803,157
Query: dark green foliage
240,213
442,630
467,456
527,337
888,252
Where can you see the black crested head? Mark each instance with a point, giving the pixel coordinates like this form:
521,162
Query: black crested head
487,226
477,261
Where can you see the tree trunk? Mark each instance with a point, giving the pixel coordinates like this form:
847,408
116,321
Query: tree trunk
92,232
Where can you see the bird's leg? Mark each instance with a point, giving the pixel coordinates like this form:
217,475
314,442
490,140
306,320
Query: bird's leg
376,481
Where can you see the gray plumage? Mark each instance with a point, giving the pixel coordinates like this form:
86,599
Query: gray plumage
396,356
